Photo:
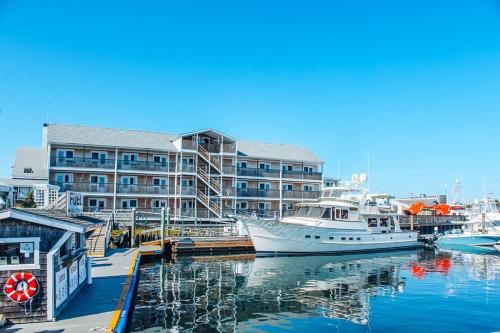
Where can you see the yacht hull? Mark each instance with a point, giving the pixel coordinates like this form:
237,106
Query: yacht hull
270,237
475,243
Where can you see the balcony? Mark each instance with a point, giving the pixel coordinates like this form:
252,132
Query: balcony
228,170
301,194
229,148
256,172
108,188
145,166
82,162
229,191
91,163
257,193
301,175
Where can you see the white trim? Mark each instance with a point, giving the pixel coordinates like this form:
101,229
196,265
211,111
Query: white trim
36,253
50,274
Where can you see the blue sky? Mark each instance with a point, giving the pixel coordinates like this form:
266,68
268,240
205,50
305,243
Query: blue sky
413,84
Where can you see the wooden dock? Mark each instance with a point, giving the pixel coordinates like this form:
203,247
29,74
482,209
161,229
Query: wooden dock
193,245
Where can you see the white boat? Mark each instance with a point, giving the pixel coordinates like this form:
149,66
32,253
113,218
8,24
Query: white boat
480,234
345,219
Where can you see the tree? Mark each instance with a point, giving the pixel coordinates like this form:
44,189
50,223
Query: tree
29,202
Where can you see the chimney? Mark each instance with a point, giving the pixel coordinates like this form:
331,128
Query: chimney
44,134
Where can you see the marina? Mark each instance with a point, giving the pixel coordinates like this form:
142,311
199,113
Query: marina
249,166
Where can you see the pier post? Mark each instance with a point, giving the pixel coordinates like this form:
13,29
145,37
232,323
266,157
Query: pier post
132,237
412,218
483,222
162,230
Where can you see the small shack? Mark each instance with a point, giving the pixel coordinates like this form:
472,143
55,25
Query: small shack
43,262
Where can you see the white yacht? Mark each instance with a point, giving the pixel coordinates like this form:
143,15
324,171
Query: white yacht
344,219
480,234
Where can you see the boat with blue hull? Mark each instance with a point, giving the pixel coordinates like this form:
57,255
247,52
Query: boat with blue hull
470,243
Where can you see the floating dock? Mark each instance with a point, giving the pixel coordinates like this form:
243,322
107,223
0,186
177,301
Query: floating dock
194,245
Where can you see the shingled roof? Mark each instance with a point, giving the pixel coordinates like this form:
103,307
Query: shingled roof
109,137
123,138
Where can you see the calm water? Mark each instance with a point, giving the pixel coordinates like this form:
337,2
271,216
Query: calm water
414,291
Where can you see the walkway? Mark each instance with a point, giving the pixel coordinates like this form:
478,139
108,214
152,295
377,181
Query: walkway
93,308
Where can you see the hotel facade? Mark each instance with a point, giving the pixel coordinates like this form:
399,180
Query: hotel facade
202,174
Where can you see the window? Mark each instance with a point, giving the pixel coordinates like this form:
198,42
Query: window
345,214
19,253
343,238
308,169
242,205
160,159
97,203
158,203
242,165
242,185
63,154
384,222
99,156
264,206
316,237
264,186
359,238
287,206
287,167
327,213
130,180
308,188
160,182
308,236
331,238
28,170
128,158
287,187
132,203
264,166
350,238
314,212
302,212
372,222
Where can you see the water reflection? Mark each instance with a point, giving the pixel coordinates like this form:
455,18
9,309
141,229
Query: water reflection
241,293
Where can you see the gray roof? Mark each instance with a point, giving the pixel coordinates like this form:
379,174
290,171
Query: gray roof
109,137
121,138
33,159
276,151
60,219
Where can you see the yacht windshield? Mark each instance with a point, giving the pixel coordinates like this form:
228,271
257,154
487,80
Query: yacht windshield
314,212
302,212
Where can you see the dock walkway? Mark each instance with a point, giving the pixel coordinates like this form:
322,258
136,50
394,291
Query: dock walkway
94,308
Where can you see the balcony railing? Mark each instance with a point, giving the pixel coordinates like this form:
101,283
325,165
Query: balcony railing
257,193
146,166
228,169
91,163
229,191
123,188
301,175
229,148
256,172
301,194
82,162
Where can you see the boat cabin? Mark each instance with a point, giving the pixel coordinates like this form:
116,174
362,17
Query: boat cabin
333,213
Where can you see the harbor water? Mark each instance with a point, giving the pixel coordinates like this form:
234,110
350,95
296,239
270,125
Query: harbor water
413,291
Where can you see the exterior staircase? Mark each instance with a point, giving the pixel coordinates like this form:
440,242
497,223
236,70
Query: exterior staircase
203,198
59,203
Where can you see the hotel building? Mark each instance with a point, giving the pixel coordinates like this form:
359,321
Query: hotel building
201,174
